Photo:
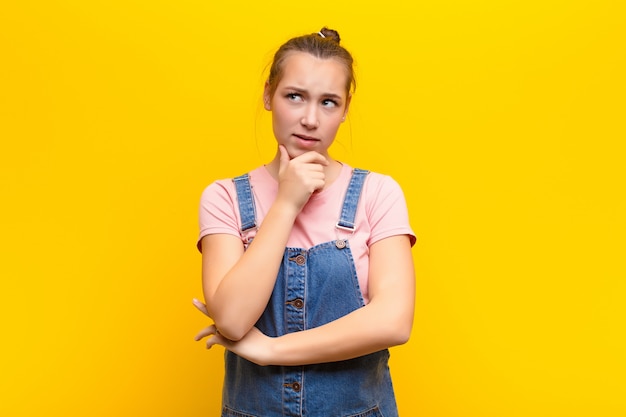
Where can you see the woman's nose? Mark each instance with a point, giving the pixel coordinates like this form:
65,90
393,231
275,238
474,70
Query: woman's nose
310,119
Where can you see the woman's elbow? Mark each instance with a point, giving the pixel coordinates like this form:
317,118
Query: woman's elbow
400,332
233,333
233,330
400,336
403,336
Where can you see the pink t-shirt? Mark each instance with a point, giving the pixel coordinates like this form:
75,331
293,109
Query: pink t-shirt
381,213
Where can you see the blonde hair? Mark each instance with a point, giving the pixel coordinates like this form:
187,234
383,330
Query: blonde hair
323,44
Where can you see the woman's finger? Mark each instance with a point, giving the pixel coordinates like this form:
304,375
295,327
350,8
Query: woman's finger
207,331
200,306
218,339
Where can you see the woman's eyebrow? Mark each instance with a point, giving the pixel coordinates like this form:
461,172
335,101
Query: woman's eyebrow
296,89
333,96
304,91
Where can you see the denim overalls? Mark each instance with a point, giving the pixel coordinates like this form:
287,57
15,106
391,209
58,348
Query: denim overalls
313,287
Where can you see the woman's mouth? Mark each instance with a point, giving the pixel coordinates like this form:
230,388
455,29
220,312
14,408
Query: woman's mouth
307,138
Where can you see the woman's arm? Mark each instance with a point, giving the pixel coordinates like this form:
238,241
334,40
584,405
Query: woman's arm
236,284
386,321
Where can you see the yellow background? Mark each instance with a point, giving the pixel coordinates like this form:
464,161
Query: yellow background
504,121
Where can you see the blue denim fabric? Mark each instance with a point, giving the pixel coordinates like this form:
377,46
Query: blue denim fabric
246,202
313,287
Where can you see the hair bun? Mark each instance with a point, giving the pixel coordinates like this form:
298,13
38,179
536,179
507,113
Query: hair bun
330,34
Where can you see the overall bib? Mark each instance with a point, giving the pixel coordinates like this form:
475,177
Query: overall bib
313,287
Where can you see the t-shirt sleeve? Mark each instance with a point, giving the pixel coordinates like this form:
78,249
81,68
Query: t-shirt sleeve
386,209
218,212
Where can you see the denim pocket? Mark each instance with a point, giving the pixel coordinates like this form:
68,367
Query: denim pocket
372,412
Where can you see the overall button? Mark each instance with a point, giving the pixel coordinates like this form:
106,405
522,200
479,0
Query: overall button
294,386
340,243
300,260
298,303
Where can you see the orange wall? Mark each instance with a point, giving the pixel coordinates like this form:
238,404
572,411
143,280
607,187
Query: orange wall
502,120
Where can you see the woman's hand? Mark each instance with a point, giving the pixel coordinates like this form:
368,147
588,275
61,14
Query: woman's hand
300,177
254,346
201,306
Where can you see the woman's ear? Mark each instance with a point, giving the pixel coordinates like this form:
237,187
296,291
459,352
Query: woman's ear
267,98
345,110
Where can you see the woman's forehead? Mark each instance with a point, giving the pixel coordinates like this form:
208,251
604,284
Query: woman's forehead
304,69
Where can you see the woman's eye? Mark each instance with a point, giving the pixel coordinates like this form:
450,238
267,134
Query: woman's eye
294,97
329,103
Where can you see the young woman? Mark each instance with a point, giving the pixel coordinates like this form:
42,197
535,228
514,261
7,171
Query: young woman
306,262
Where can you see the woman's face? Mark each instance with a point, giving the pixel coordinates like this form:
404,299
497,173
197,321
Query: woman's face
309,103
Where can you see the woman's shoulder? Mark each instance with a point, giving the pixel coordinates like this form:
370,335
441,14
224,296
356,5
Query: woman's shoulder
220,187
381,190
380,181
375,182
227,185
223,192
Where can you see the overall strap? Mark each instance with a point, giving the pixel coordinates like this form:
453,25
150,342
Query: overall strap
246,202
351,200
